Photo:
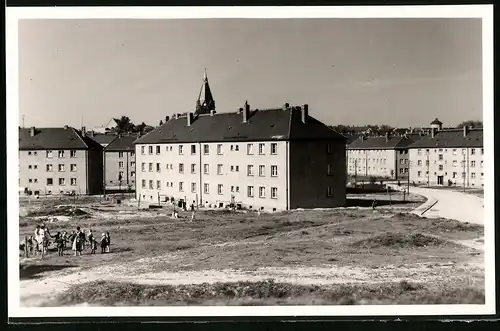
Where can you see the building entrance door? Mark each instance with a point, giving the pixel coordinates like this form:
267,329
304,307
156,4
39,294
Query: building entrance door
440,180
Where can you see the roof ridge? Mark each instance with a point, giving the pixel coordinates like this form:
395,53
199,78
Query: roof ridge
75,132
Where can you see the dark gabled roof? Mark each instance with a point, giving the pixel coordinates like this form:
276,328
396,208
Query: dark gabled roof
436,121
451,138
102,138
380,143
51,138
122,143
262,125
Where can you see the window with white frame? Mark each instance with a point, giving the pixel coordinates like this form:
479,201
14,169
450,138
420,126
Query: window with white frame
193,149
262,170
274,148
143,183
158,184
237,168
158,150
60,167
250,191
219,169
158,167
206,188
262,192
143,166
454,175
72,153
142,150
120,175
60,154
250,170
120,154
150,184
181,149
219,149
62,181
150,150
193,168
473,175
249,149
419,162
73,181
72,167
419,151
262,149
219,189
274,192
50,181
181,186
419,173
440,167
48,154
472,164
193,187
206,149
120,164
329,191
206,169
150,166
181,168
274,171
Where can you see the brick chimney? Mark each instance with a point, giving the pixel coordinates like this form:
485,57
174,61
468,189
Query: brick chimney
246,112
65,127
32,131
212,112
304,113
387,137
189,118
466,130
167,118
84,131
286,106
239,111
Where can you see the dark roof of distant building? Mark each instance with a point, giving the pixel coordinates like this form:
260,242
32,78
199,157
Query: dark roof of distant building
436,121
102,138
262,125
54,138
380,143
451,138
122,143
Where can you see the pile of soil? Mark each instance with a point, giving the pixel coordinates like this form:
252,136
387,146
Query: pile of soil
399,240
58,211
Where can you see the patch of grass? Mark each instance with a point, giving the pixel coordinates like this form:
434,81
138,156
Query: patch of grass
57,211
399,240
30,271
264,292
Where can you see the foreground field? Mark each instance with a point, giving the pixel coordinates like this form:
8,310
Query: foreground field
341,256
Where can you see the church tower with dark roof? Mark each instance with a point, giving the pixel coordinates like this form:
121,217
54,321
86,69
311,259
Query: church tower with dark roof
205,102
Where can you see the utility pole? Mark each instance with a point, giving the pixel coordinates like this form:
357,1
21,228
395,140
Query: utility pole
408,174
22,121
463,169
428,171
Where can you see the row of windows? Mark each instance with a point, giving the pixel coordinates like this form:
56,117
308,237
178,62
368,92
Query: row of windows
206,169
220,188
50,167
473,151
50,181
472,164
60,153
121,164
206,149
369,169
120,154
360,160
454,174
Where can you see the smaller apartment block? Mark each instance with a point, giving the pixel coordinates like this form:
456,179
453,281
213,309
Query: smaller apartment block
380,157
275,159
58,161
448,157
119,163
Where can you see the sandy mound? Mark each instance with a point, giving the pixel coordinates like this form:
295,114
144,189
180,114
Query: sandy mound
398,240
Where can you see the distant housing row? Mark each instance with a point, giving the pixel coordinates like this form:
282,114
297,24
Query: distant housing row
273,159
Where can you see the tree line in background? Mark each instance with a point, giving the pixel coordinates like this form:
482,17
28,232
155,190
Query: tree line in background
125,125
354,129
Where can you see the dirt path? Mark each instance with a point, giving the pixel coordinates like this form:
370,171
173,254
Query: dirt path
35,292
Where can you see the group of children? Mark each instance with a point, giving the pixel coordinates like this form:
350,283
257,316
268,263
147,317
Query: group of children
39,243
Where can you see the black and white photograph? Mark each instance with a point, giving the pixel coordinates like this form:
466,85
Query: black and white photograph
250,161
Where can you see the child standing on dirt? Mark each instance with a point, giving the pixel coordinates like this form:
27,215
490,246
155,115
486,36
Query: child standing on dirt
104,242
59,243
90,237
108,242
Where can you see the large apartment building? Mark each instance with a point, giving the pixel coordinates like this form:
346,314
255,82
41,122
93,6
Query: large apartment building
380,157
58,161
275,159
448,157
119,163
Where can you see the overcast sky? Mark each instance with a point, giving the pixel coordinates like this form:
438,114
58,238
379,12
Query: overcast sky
401,72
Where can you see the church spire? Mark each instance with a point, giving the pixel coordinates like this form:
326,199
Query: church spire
207,103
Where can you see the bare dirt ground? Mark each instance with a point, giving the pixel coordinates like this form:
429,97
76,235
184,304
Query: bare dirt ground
345,255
